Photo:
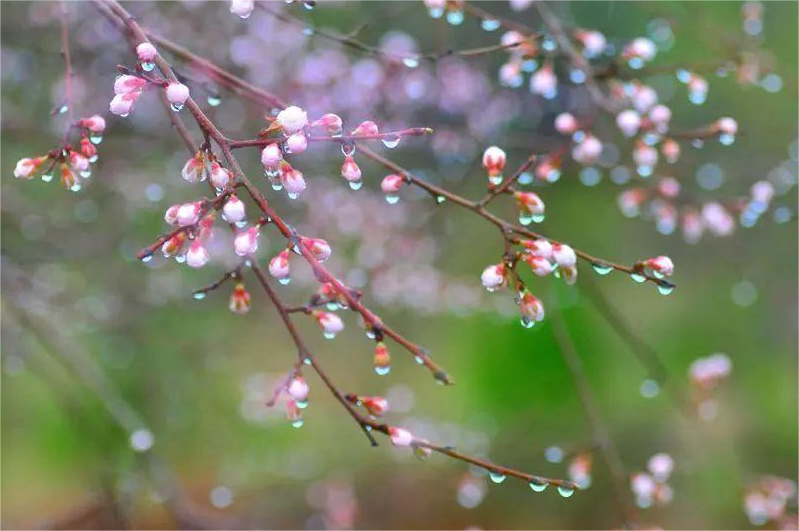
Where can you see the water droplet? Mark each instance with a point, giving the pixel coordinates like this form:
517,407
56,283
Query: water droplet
284,281
665,289
527,322
307,361
637,277
177,107
302,404
94,158
602,269
297,423
86,173
419,360
142,440
308,32
726,139
649,388
565,491
199,295
525,178
495,179
329,335
490,24
455,17
147,258
538,218
214,100
411,61
294,195
47,177
63,109
440,199
124,115
436,12
75,187
348,148
370,333
356,185
308,5
95,139
496,477
147,66
392,199
382,371
538,486
391,142
525,218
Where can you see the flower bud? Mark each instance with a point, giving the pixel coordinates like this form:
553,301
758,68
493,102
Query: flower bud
246,241
539,247
279,265
188,214
292,119
628,122
568,274
540,267
544,82
318,247
529,202
146,52
565,123
271,155
670,150
78,162
220,177
298,389
531,308
494,161
391,184
174,245
122,104
366,128
662,265
661,465
494,277
377,406
198,255
331,123
242,8
660,115
400,436
350,169
26,168
292,180
177,93
668,187
171,215
297,143
240,301
594,42
127,84
727,126
95,123
645,155
382,359
234,210
331,323
194,170
68,178
563,255
640,48
587,151
87,149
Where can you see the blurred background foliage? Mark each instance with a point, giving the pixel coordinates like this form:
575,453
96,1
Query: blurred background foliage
81,318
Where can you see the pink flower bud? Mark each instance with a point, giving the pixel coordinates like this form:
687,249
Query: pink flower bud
565,123
331,123
206,224
645,155
643,486
391,184
297,143
292,119
279,265
220,177
242,8
331,323
540,267
539,247
122,104
292,180
234,210
660,115
594,42
587,151
494,161
298,389
668,187
544,82
563,255
661,265
271,155
146,52
68,178
531,308
240,301
366,128
95,124
87,149
174,245
246,241
400,436
494,277
177,93
727,126
194,170
188,214
529,202
350,169
628,122
26,168
125,84
377,406
510,74
762,191
661,466
568,274
198,255
171,215
670,150
78,162
318,247
641,48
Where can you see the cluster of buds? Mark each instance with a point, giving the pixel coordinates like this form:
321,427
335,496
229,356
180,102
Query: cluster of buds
376,406
706,374
651,487
203,166
74,163
580,469
766,501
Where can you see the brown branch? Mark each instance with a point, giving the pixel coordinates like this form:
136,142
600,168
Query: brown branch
65,54
391,135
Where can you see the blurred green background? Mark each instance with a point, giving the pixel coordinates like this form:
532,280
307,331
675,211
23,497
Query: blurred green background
80,317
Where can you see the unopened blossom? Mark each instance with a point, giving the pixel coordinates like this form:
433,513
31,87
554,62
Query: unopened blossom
544,82
531,308
177,93
697,88
195,169
220,177
146,52
298,389
198,255
548,169
660,116
240,300
68,178
391,184
628,122
540,266
188,214
330,322
643,97
565,123
568,274
641,48
382,359
297,143
494,277
330,123
271,155
174,245
529,202
122,104
78,161
539,247
563,255
87,149
366,128
242,8
643,486
206,227
234,210
318,247
95,123
708,372
668,187
279,265
645,155
661,265
727,126
26,168
587,151
510,74
350,169
377,406
400,436
762,191
292,179
126,84
292,119
494,161
522,45
171,214
671,150
661,465
246,241
594,42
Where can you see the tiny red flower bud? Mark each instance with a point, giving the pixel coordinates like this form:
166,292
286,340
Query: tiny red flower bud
350,170
279,265
494,162
382,360
240,301
365,129
377,406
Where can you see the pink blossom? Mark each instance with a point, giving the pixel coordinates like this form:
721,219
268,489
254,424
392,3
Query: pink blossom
279,265
292,119
95,123
330,123
565,123
146,52
177,93
298,389
661,265
271,155
661,465
220,177
246,241
400,436
242,8
494,161
531,308
194,170
628,121
494,277
126,84
292,180
330,322
198,255
297,143
539,247
122,104
188,214
563,255
366,128
540,267
377,406
391,184
318,247
25,168
234,210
